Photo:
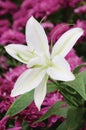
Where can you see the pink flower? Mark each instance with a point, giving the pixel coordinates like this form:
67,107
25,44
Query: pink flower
7,7
3,61
52,120
12,36
73,59
3,123
5,103
47,25
73,3
19,23
82,24
80,10
57,31
5,90
41,9
17,125
13,74
15,128
4,26
51,98
6,85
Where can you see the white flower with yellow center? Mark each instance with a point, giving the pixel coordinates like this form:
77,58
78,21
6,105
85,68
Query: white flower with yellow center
41,63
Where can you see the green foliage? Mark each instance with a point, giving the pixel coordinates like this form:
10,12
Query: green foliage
63,126
75,118
83,75
20,103
74,93
78,85
23,101
51,87
77,69
56,109
25,126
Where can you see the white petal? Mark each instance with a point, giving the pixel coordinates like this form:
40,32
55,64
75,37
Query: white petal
37,61
34,62
66,42
60,70
36,37
30,79
19,52
40,92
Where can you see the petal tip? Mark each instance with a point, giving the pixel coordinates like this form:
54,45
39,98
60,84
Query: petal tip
31,20
72,77
38,107
14,93
6,47
80,30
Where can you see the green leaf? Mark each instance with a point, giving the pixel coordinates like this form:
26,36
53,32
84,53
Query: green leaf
20,103
73,98
51,87
63,126
75,118
83,75
77,69
77,85
61,112
23,101
55,109
25,126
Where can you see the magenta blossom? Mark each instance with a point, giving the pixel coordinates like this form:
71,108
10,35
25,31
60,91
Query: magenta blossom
47,25
12,36
4,26
7,7
19,24
73,59
3,61
13,74
41,9
80,10
57,31
3,123
6,85
15,128
73,3
82,24
5,90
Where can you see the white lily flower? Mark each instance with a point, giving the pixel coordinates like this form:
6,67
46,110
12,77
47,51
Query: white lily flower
40,62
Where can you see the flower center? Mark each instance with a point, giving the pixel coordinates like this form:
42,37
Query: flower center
49,62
